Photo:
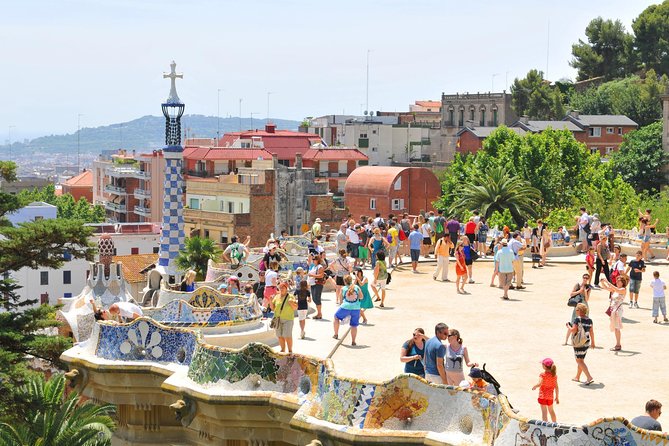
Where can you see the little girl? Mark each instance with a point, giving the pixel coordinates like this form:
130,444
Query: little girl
366,302
460,268
590,262
547,386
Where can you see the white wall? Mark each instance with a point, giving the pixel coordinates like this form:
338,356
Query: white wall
30,212
31,287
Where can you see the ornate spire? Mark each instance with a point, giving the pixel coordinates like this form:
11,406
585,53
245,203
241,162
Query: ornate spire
173,98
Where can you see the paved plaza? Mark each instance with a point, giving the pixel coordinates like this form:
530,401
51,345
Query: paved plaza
511,337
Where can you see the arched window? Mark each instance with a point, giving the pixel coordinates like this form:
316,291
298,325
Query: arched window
482,116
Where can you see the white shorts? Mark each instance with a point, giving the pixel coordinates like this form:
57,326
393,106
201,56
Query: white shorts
436,379
381,284
302,314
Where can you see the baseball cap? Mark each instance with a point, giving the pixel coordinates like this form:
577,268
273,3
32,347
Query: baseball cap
547,362
475,373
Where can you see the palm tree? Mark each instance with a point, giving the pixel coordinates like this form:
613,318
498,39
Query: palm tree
55,419
196,254
494,191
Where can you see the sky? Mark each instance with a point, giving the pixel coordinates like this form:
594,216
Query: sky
101,62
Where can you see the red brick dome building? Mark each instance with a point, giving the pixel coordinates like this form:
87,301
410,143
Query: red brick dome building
388,189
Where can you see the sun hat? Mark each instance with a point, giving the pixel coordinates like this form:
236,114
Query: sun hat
547,362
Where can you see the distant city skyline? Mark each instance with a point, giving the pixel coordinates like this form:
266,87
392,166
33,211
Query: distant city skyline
104,60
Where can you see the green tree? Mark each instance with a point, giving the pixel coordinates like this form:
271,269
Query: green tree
641,159
496,190
43,243
67,206
651,29
196,254
609,51
535,97
55,419
636,97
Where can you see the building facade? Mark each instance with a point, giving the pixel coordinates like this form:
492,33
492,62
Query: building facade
387,189
602,133
80,186
263,198
130,185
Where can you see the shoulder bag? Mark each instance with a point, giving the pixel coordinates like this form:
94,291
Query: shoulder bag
276,320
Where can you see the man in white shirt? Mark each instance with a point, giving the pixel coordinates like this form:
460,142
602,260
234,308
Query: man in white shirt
353,240
583,229
126,310
517,245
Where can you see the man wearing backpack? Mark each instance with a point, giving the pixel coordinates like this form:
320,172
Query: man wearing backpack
439,225
235,252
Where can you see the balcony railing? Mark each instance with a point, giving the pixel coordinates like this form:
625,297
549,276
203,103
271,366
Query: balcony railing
115,189
142,193
115,207
143,211
128,172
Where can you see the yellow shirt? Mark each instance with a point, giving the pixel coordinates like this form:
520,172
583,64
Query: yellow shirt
442,248
395,235
288,314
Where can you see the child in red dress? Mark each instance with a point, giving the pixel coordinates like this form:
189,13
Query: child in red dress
547,386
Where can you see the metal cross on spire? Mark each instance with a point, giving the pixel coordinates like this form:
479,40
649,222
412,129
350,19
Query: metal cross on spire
173,75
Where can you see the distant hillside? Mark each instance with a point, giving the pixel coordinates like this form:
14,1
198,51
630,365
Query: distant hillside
146,132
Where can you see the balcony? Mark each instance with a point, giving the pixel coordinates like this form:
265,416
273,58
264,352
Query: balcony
115,190
127,171
143,211
115,207
142,194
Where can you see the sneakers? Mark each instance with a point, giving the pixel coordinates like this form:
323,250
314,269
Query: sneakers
471,281
636,304
631,304
302,335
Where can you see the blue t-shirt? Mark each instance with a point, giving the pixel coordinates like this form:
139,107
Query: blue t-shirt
416,366
433,349
415,239
504,259
346,304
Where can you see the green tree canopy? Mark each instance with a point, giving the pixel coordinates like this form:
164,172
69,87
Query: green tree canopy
651,29
55,418
609,51
196,254
635,97
535,97
23,327
641,158
67,206
496,190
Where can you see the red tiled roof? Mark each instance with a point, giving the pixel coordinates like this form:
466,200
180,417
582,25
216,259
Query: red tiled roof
284,143
133,264
218,154
334,154
428,103
84,179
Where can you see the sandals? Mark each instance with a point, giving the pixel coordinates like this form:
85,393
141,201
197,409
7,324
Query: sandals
587,383
617,348
335,337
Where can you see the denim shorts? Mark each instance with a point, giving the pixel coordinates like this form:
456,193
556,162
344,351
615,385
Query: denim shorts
415,254
635,286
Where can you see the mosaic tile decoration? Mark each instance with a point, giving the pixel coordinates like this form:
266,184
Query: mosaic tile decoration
211,364
179,313
405,405
172,231
145,340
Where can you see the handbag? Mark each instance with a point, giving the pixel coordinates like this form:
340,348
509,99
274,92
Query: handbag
388,278
610,310
474,255
276,320
574,300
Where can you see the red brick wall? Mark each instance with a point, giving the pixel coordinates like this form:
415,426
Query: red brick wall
469,143
606,140
420,187
322,206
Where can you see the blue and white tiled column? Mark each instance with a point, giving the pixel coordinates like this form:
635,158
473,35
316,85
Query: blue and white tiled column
172,233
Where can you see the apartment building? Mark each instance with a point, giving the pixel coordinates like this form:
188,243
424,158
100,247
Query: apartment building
129,185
